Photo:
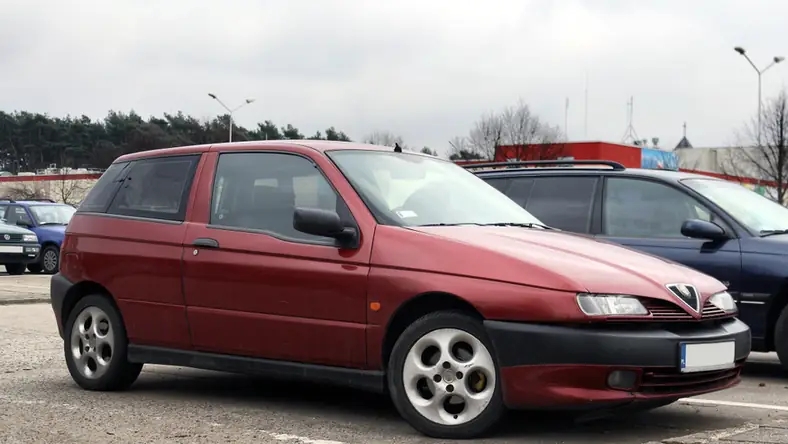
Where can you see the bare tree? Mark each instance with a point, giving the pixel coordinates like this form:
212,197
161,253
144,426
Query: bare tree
23,191
768,162
70,191
515,126
384,138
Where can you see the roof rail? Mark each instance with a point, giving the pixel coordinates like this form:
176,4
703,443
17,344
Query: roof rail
7,199
40,199
614,165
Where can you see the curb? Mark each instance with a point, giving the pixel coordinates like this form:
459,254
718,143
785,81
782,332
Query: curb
41,300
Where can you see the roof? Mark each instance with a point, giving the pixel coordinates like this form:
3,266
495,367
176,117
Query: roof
317,145
668,175
683,143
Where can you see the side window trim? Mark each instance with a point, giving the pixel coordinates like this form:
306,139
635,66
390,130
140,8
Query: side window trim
352,223
719,220
178,217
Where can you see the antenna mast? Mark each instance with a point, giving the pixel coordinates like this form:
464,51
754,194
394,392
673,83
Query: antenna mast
630,135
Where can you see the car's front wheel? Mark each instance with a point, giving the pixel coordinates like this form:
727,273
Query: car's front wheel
50,260
443,377
96,344
15,269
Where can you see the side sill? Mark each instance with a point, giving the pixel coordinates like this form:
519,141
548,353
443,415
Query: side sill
367,380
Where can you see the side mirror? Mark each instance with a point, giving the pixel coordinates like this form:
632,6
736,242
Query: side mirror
702,229
324,223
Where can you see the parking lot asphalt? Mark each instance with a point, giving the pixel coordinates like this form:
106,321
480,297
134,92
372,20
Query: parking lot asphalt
40,403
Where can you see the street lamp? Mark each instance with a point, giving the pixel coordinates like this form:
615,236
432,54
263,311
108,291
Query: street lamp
760,72
230,111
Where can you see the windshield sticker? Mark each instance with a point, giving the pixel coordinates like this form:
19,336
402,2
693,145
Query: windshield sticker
404,214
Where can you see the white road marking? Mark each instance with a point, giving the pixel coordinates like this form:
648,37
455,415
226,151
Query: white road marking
733,404
299,439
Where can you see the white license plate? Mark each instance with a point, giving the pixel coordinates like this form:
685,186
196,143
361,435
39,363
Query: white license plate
10,249
707,357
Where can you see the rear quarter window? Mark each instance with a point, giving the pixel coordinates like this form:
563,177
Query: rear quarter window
100,196
156,188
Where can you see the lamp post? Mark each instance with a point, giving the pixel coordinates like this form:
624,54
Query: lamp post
230,111
760,72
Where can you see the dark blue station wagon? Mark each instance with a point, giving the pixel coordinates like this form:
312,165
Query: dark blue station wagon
715,226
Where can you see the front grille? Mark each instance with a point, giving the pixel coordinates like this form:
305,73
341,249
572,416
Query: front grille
12,237
667,311
662,381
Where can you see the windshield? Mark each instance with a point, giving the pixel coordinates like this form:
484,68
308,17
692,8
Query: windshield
410,190
52,214
757,213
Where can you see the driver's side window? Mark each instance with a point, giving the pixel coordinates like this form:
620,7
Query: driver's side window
644,209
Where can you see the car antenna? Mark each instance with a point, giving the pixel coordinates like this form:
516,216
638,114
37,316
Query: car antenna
397,148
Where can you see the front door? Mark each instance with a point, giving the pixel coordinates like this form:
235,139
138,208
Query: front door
255,286
647,215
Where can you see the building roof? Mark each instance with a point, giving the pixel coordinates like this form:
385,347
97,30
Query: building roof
684,143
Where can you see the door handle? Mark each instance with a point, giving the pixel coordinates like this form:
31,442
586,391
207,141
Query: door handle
206,242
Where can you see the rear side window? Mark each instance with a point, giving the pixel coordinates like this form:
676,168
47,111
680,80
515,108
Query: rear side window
499,184
156,188
99,197
563,202
520,190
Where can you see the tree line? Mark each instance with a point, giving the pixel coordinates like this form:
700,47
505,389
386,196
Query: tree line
32,141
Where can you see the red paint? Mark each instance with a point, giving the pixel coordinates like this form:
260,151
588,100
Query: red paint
578,385
627,155
265,297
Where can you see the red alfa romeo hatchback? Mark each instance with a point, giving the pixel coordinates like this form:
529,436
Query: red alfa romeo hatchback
379,269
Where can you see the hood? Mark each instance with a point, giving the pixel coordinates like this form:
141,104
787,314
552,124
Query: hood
540,258
775,244
13,229
51,231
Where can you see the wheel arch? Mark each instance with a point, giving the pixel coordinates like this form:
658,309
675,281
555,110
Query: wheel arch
80,291
416,307
778,303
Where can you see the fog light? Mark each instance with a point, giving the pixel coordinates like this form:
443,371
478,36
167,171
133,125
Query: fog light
622,379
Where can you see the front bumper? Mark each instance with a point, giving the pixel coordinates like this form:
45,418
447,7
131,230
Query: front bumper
569,366
19,253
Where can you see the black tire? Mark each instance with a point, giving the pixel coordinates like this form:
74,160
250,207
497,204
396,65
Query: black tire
34,268
120,374
781,338
477,426
47,266
15,269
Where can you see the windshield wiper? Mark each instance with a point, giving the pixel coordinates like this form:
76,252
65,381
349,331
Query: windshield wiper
765,233
521,225
52,223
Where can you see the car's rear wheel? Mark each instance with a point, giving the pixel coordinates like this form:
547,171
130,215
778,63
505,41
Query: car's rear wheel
15,269
96,344
50,259
443,377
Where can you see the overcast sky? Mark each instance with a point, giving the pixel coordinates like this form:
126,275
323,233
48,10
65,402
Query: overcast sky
423,69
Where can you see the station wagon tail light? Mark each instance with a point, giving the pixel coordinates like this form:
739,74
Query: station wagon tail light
610,305
724,301
29,238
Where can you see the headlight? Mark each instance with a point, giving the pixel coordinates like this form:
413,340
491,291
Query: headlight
610,305
29,238
724,301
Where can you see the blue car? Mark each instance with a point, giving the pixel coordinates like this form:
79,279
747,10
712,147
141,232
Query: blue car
715,226
48,220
